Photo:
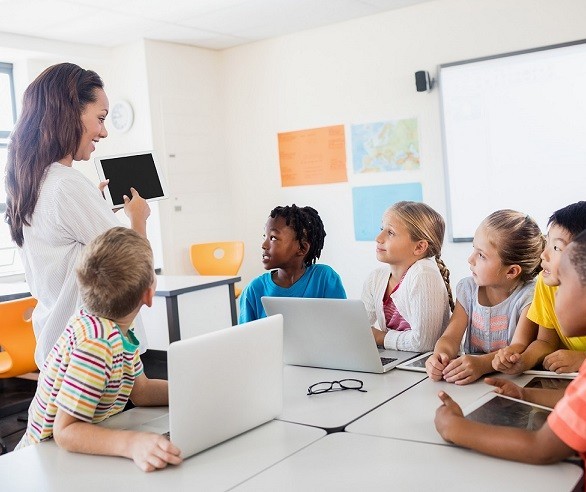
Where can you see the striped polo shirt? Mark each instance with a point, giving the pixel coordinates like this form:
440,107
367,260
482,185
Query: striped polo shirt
89,374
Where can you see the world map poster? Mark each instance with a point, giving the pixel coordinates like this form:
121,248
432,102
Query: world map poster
385,146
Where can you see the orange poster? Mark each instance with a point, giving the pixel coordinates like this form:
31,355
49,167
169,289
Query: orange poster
315,156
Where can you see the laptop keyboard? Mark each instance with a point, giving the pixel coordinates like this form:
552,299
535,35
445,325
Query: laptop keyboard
387,360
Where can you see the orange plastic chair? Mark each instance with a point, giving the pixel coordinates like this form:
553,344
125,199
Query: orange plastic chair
17,338
221,258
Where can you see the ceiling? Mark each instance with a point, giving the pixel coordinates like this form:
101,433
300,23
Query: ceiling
214,24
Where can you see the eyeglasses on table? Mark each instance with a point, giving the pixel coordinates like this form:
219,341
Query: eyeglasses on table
343,384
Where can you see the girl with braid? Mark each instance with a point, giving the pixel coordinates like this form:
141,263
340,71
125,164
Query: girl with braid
293,240
409,297
493,302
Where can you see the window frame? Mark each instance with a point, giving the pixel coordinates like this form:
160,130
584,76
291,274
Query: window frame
8,251
8,68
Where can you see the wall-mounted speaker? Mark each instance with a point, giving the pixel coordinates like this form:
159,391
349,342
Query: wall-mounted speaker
423,81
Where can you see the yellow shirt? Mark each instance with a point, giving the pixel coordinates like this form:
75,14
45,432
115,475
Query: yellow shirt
542,312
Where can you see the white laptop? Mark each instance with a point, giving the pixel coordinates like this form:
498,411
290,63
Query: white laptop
331,333
222,384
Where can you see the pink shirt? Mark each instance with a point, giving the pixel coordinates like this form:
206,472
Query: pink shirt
393,319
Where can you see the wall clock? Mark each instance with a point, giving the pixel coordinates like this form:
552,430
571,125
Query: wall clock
122,116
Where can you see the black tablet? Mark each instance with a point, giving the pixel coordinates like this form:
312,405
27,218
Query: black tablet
140,171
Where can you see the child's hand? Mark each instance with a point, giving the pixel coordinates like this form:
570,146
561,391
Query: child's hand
435,365
152,451
505,360
446,414
379,336
463,370
506,388
562,361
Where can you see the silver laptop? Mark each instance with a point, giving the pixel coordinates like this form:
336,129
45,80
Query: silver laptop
222,384
331,333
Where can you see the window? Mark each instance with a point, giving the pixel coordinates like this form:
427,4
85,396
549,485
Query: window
9,259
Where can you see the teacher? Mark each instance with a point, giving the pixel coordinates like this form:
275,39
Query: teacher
53,210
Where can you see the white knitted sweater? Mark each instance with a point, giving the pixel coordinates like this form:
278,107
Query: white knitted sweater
421,299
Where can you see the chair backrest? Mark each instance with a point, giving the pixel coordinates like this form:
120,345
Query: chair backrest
221,258
17,338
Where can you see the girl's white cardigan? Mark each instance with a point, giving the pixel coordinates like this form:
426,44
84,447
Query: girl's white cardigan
422,300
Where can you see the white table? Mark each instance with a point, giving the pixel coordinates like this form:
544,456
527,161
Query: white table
13,290
352,462
411,415
336,409
189,305
46,467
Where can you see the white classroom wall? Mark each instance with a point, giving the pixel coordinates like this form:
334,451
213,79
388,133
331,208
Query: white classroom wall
357,72
186,112
213,117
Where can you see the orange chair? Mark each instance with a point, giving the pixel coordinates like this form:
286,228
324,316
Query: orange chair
221,258
17,338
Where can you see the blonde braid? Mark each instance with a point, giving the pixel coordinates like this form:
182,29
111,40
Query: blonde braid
445,273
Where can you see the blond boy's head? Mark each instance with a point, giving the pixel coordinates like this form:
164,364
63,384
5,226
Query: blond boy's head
114,272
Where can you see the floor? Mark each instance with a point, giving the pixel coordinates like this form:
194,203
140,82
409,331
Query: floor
16,395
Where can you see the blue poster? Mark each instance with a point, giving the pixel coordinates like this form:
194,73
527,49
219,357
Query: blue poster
370,202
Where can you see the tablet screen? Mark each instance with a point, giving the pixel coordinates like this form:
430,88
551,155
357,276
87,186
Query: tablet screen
511,413
137,171
417,363
548,383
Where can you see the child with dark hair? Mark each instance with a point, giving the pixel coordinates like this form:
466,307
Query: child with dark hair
556,351
293,241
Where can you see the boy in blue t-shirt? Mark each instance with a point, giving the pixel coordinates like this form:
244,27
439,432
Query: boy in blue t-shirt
293,240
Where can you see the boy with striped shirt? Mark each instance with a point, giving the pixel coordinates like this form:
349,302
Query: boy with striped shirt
95,367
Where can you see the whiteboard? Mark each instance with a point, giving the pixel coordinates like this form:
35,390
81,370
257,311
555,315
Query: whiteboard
514,131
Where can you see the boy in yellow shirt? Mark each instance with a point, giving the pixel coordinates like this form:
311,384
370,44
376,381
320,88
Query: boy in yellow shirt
556,351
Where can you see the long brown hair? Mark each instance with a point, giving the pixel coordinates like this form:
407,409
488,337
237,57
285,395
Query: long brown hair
424,223
49,129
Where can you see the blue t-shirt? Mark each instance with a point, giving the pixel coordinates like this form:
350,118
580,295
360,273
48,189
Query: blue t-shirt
318,281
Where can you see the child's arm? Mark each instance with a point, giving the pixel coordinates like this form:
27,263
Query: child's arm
547,342
536,447
448,345
542,396
149,451
525,333
149,392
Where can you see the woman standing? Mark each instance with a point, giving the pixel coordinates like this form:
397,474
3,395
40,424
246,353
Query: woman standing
53,210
